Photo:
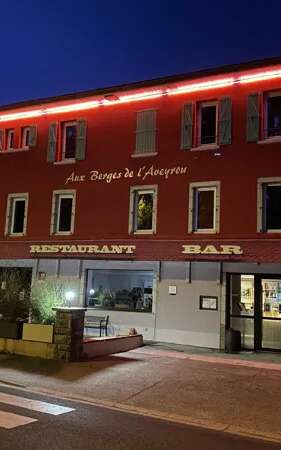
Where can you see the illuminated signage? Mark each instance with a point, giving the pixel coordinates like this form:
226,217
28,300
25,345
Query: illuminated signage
251,77
212,250
88,249
143,173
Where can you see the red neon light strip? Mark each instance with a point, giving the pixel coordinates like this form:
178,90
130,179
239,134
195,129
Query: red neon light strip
188,88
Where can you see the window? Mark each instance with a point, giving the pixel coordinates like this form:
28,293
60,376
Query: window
145,132
143,210
67,142
207,121
269,205
63,210
16,214
10,137
273,115
122,290
25,137
204,207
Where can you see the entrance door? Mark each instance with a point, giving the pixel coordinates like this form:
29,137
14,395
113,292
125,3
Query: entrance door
254,308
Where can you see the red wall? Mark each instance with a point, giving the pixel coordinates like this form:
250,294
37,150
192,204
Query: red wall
102,209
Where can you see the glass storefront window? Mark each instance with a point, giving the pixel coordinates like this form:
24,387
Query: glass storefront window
121,290
271,298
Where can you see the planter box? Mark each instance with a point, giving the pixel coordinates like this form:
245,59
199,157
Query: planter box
10,330
38,333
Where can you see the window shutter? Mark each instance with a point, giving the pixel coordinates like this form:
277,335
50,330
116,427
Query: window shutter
81,139
186,126
1,140
9,216
253,118
32,140
54,218
52,142
146,132
225,121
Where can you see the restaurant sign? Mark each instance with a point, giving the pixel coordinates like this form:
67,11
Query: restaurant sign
82,249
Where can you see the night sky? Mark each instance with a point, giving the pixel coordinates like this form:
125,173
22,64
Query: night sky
62,46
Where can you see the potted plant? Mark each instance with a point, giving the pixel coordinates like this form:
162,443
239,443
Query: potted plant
14,301
45,295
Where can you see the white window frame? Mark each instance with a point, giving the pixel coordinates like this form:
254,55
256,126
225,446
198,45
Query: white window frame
152,189
10,132
64,127
265,115
204,186
199,123
56,214
272,181
24,144
10,213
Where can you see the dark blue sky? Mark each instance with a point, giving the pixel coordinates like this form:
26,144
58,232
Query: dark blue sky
60,46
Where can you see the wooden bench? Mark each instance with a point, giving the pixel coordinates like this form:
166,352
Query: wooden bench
99,322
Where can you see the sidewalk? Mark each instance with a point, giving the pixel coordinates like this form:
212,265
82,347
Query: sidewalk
238,394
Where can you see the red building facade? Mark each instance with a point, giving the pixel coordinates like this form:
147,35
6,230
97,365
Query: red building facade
175,181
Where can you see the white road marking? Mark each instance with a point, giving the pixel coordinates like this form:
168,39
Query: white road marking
10,420
34,405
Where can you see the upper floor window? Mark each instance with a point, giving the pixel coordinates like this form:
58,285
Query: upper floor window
10,139
143,210
25,135
67,141
145,133
63,211
16,216
212,126
264,117
207,120
269,205
273,114
204,207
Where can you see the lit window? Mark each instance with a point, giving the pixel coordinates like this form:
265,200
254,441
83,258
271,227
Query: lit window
10,137
16,214
25,137
63,212
204,207
207,123
143,210
122,290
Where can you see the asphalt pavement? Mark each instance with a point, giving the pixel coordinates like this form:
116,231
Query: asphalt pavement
56,424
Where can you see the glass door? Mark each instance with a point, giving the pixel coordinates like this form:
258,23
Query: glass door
271,313
242,308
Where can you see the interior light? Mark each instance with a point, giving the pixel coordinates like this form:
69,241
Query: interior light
91,291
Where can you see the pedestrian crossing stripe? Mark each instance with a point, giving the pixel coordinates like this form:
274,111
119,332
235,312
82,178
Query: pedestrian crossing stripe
10,420
34,405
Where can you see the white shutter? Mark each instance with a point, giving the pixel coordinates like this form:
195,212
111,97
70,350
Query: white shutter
81,139
145,132
32,140
225,121
253,118
52,142
186,126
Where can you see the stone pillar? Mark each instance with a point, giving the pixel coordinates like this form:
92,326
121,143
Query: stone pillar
68,334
